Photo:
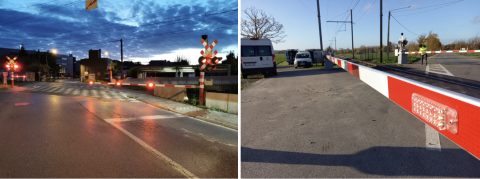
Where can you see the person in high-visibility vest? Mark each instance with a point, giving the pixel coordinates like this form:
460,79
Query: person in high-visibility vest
423,53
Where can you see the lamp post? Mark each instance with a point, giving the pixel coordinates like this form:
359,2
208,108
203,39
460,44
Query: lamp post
53,51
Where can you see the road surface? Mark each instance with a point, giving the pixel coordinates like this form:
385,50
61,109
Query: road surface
45,135
327,123
455,65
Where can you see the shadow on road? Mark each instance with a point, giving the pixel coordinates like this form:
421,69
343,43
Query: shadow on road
388,161
306,72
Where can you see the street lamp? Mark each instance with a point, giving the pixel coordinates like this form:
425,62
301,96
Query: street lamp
388,33
54,51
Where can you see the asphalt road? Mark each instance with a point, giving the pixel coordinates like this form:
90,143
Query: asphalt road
47,135
458,65
327,123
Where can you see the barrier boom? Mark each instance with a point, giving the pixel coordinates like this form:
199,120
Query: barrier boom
454,115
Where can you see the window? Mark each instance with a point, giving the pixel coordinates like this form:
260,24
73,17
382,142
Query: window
250,51
302,55
264,51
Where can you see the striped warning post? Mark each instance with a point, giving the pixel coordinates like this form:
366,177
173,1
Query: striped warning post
452,114
201,81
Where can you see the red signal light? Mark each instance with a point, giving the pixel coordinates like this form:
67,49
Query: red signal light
119,84
151,85
90,82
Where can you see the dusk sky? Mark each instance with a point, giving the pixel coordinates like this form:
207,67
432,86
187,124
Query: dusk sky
151,29
450,19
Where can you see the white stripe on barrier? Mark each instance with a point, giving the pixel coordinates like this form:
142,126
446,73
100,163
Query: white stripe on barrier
376,79
344,64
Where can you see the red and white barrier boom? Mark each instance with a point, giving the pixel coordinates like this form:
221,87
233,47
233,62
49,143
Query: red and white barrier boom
446,51
454,115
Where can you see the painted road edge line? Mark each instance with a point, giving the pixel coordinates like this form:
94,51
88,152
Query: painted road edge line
158,154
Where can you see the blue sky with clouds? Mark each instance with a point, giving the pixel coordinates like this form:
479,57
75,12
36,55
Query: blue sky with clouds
151,29
451,19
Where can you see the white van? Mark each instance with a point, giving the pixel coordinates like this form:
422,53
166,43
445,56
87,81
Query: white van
302,59
257,57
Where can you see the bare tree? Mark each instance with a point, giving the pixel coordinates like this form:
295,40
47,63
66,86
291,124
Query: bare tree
257,24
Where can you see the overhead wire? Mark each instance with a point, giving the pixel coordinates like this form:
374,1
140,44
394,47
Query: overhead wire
403,25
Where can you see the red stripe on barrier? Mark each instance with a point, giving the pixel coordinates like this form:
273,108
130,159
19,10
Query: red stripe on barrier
339,63
456,51
470,51
134,84
467,114
353,69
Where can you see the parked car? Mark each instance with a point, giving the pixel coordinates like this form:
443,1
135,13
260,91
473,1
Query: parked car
303,59
257,57
317,55
290,55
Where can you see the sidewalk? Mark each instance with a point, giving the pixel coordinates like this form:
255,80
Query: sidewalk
220,118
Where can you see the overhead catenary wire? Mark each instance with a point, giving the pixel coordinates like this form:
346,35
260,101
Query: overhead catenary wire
403,25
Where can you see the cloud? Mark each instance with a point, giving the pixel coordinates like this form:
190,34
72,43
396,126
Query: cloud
367,7
149,28
476,20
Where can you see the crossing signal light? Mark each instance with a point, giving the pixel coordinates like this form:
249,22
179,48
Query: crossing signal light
151,85
90,82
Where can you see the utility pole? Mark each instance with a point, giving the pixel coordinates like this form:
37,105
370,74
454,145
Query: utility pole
388,36
319,25
381,31
351,25
335,43
389,45
121,58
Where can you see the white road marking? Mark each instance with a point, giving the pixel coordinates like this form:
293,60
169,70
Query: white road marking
51,89
76,92
84,92
432,139
158,154
94,93
105,95
68,91
142,118
437,68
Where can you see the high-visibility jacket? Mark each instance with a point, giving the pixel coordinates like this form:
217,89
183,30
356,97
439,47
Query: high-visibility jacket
423,50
